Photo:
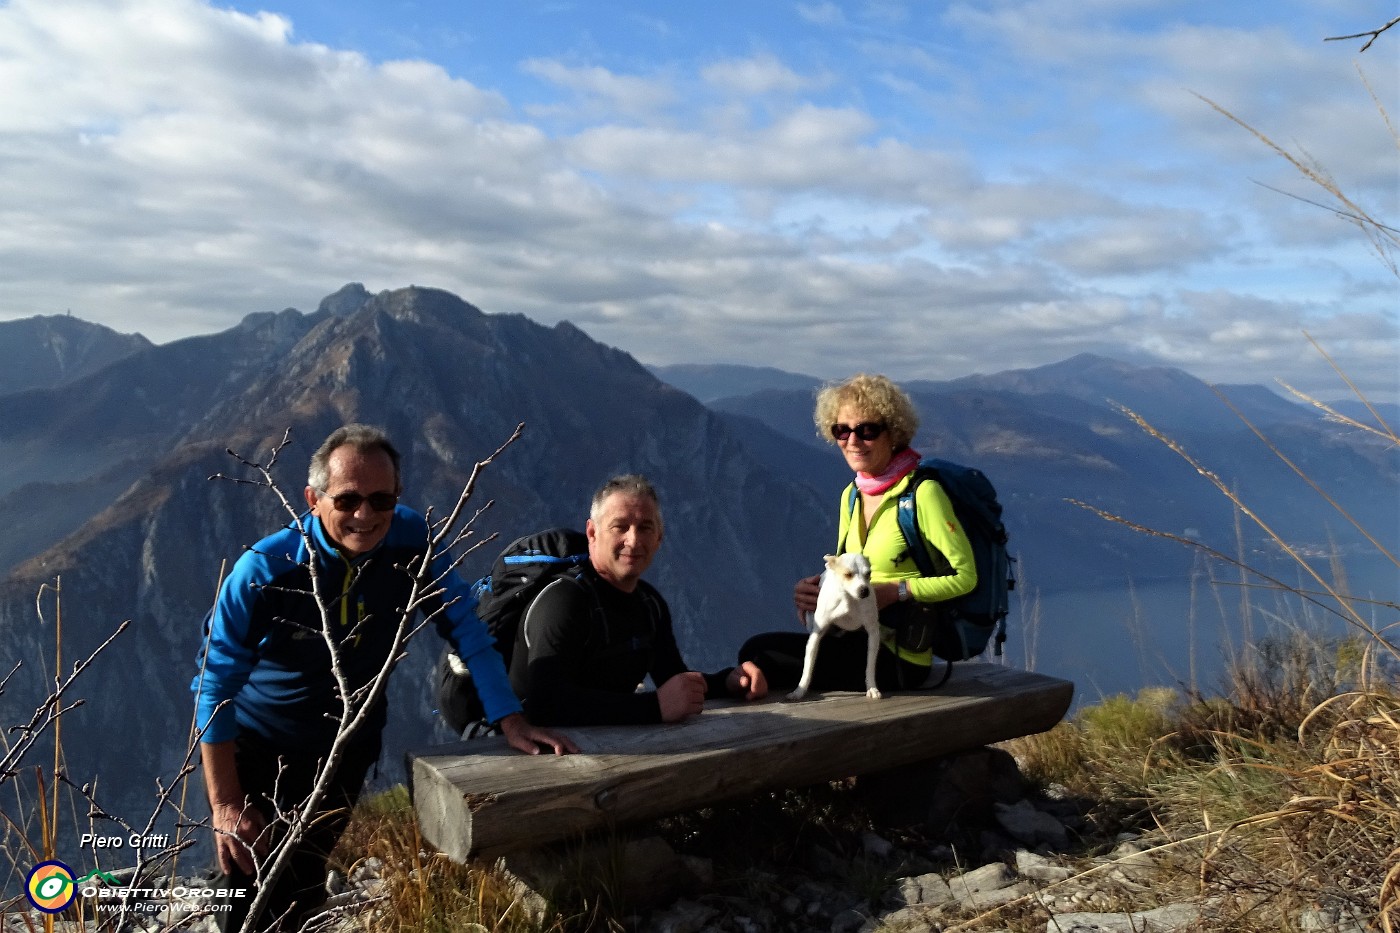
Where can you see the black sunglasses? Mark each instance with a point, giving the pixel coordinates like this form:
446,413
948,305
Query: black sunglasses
865,431
351,501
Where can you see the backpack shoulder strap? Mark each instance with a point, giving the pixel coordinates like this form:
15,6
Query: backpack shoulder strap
851,497
653,604
908,517
523,629
581,578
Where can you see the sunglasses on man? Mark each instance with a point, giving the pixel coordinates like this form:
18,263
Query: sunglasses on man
351,501
865,431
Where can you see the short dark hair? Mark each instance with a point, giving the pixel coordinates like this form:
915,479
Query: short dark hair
629,484
362,437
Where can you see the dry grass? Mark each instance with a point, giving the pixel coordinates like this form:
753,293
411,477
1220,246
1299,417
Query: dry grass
424,891
1265,822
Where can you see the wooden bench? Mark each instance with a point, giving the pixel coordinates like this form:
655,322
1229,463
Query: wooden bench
481,798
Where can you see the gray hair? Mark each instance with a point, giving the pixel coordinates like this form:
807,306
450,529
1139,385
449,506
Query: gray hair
629,484
362,437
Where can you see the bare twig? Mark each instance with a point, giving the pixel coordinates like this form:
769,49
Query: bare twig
467,490
49,710
6,679
1374,34
357,704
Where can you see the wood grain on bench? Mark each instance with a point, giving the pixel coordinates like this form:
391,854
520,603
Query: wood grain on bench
482,798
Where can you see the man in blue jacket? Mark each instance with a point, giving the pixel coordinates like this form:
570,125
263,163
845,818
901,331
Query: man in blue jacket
268,701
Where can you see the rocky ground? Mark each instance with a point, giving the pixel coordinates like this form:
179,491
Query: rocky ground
1004,860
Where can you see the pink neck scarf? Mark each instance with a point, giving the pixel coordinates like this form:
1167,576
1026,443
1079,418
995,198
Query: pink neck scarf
900,464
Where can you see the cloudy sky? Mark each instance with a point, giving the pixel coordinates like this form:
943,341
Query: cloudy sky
928,189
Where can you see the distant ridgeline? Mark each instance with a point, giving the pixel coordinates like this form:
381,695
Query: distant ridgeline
105,460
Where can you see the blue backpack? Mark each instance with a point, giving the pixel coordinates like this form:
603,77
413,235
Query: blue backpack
965,623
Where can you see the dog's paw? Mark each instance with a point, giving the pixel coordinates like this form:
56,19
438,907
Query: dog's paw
797,694
874,694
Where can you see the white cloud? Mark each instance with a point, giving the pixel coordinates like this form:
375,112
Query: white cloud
1145,241
825,14
756,76
973,220
630,94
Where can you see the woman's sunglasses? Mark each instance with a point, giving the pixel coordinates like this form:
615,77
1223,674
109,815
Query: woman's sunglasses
350,501
865,431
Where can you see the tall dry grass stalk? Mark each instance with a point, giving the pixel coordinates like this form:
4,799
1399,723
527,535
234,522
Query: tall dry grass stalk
1286,792
1383,238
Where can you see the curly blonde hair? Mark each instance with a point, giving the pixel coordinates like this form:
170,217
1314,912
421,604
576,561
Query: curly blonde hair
873,395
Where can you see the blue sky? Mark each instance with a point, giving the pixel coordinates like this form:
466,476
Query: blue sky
924,189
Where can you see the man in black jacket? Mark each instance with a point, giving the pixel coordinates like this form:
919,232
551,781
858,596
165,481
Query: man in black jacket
589,639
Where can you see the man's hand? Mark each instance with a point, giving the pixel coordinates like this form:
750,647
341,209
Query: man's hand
804,594
747,681
524,737
681,696
236,828
237,824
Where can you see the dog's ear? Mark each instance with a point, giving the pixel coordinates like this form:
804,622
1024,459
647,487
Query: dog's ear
831,560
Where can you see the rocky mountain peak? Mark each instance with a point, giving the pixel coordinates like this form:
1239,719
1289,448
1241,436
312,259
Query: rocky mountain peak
51,350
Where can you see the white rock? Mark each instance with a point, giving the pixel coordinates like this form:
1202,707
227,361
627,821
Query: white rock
929,889
1039,868
990,877
1174,918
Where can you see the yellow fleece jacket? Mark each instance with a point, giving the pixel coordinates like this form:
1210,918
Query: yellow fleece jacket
883,545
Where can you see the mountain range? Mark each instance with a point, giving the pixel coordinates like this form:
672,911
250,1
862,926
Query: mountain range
107,454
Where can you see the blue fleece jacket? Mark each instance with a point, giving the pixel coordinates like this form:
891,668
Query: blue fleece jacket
267,661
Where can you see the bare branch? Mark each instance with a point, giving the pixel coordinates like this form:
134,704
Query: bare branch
49,710
446,545
1374,34
471,481
357,703
6,678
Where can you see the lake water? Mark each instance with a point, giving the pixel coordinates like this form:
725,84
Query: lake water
1176,633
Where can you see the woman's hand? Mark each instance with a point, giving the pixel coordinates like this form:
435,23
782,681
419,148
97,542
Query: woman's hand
804,594
886,594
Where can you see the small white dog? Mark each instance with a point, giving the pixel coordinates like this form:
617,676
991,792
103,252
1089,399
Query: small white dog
847,601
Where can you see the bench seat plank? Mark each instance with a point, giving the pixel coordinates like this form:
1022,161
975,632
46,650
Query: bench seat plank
482,798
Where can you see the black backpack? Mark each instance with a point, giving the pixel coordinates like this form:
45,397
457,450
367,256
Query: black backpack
957,629
520,572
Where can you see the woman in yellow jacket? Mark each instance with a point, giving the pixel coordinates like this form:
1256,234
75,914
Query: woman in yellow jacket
873,422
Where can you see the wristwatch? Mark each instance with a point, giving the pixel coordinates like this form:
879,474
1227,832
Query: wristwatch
903,591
